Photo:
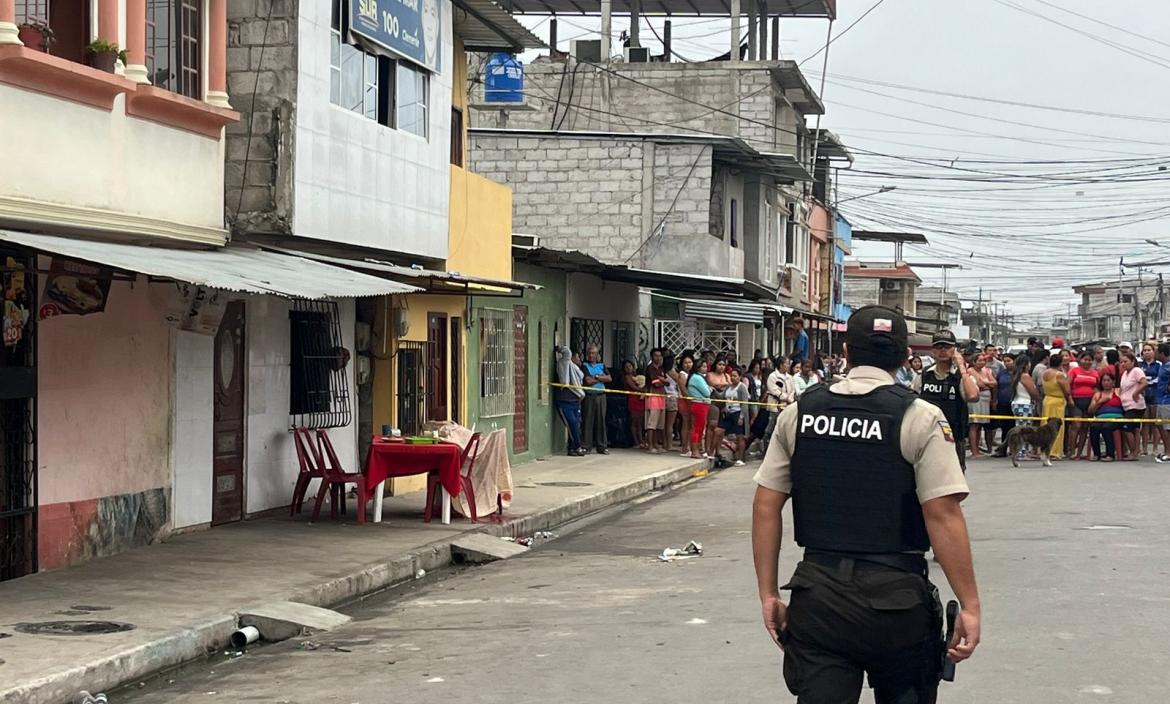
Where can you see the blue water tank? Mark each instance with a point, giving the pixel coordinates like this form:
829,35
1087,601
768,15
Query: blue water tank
503,79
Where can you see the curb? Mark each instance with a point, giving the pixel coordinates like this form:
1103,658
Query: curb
197,641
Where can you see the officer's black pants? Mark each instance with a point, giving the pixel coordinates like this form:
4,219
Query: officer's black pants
861,618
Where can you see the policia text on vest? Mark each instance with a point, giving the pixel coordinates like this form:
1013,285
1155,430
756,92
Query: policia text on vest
875,482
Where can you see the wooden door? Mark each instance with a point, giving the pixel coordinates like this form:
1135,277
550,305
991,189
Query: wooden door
437,366
230,370
520,378
456,368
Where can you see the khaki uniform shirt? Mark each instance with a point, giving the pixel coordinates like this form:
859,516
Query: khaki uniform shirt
927,442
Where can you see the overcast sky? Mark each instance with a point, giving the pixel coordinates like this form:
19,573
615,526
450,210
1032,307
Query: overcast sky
1044,196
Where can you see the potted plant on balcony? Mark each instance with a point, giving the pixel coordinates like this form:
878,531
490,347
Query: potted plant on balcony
103,55
36,34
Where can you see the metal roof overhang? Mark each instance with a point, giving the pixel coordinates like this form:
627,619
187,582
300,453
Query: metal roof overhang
484,25
683,8
830,146
733,311
873,236
231,268
429,280
683,283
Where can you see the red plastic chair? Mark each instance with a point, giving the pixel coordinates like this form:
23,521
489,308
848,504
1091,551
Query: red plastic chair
337,477
466,465
312,467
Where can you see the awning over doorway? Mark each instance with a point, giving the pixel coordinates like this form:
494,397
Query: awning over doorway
429,280
732,311
231,268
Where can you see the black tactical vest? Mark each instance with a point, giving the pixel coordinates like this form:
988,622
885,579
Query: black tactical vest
852,490
947,394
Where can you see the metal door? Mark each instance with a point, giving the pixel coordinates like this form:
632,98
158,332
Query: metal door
18,418
230,370
437,366
520,378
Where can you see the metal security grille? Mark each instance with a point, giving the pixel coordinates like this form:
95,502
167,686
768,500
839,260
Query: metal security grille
319,383
32,10
623,343
174,54
412,385
495,366
18,387
677,335
584,332
718,339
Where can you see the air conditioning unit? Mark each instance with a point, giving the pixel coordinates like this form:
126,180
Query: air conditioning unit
889,285
525,241
587,50
636,55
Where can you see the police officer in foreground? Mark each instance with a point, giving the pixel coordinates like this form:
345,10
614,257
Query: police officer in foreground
945,384
875,483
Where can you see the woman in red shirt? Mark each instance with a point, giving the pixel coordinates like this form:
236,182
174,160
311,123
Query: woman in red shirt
1083,380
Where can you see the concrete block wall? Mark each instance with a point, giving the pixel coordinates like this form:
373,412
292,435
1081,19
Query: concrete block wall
674,98
262,83
862,291
681,221
576,194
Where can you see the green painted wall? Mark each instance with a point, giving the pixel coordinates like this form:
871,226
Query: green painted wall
546,315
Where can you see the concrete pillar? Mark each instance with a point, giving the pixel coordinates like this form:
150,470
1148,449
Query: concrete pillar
136,41
666,39
606,29
217,54
635,22
752,13
735,14
763,25
552,37
8,30
776,38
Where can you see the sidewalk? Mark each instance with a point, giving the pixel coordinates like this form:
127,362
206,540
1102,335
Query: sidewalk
182,596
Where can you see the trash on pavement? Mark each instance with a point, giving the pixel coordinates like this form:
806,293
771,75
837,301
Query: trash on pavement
87,698
420,573
693,549
543,535
309,645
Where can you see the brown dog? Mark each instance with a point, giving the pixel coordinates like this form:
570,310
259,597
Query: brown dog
1038,437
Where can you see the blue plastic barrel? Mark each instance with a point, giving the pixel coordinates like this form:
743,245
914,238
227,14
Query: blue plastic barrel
503,79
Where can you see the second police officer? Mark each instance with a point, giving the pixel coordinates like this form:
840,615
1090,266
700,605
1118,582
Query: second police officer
875,482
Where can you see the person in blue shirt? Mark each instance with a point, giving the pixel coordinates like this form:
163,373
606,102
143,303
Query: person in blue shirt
1162,398
799,343
593,435
1151,366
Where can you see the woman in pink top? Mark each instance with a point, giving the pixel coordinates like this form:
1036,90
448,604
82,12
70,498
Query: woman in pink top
1133,400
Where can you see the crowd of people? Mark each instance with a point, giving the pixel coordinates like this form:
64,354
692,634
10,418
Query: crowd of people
1106,384
696,401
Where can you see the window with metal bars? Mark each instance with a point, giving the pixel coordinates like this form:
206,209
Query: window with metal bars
495,366
623,342
319,379
584,332
174,46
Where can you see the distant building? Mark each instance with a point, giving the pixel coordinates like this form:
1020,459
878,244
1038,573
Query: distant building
1113,311
891,285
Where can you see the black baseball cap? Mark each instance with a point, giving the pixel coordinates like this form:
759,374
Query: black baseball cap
877,329
944,337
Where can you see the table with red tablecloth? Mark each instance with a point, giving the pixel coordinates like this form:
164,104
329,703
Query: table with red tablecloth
399,459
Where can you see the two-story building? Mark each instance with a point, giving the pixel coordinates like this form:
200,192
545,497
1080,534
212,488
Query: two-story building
123,400
893,285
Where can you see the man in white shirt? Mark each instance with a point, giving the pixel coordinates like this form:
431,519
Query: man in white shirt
780,389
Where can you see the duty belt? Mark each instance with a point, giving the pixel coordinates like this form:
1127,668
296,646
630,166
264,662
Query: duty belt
903,561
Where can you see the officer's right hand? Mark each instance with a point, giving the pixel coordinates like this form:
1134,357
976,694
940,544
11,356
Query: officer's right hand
775,617
966,636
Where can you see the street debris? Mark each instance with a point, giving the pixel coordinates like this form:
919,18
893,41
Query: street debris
420,573
696,622
435,679
528,540
692,549
233,653
312,645
87,698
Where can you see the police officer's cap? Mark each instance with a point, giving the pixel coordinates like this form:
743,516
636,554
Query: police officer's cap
877,329
944,337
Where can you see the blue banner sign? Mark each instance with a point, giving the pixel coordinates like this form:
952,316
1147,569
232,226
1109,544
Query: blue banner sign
411,29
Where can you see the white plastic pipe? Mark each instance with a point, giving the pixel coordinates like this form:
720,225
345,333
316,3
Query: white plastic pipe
245,637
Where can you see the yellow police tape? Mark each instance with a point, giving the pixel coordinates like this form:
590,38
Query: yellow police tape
778,406
623,392
1071,419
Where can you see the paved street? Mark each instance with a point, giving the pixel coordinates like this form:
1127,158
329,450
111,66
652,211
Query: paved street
1071,560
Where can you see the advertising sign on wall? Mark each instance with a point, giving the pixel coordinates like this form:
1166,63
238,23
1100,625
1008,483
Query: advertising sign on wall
197,309
411,29
74,288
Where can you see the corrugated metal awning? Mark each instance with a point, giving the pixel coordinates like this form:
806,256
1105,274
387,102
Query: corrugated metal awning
484,25
431,280
732,311
232,268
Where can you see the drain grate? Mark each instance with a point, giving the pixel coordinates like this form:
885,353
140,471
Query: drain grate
567,484
73,628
